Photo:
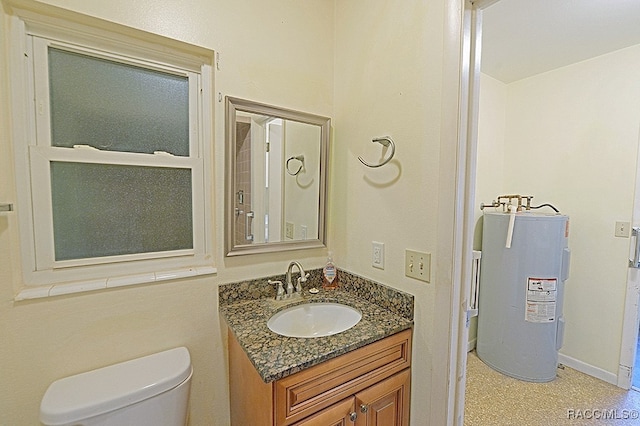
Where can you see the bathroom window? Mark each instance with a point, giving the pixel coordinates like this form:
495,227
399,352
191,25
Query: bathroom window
115,160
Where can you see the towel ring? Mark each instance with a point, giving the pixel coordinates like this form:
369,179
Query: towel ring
386,141
300,158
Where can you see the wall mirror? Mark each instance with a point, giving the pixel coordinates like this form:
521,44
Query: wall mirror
276,178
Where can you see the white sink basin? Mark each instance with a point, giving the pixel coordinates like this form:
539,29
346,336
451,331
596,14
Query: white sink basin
314,320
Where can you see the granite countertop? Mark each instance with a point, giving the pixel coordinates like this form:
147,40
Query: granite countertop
275,356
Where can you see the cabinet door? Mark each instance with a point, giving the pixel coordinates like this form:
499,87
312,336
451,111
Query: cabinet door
339,414
301,394
385,403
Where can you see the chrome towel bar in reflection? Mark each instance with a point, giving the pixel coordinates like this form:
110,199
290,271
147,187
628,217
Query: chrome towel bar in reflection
300,158
386,141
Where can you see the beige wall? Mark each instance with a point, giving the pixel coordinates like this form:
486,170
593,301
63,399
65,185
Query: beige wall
388,82
48,339
490,160
377,69
571,139
302,189
492,115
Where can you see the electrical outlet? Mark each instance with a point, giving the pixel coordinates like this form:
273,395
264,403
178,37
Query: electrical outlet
622,229
288,230
377,255
417,265
303,232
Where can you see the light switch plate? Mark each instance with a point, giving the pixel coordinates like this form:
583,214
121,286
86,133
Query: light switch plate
377,255
622,229
288,230
417,265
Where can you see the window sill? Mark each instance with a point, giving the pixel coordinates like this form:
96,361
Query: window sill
53,290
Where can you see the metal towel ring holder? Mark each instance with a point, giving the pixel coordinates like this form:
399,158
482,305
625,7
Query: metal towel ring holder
300,158
386,141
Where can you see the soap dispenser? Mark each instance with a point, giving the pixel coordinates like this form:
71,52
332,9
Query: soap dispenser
329,274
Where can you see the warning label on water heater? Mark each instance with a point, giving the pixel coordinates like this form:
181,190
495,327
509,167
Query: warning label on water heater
541,299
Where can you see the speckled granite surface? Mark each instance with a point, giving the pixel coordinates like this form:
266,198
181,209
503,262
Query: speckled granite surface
246,306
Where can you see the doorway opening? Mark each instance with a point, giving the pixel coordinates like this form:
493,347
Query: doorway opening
628,363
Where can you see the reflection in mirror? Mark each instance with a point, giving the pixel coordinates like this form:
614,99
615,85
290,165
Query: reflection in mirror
276,178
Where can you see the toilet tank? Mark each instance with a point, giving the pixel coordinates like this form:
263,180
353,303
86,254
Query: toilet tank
152,390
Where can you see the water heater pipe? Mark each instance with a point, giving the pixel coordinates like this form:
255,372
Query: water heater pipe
512,221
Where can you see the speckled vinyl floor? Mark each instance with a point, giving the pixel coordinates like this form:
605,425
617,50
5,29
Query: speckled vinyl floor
573,398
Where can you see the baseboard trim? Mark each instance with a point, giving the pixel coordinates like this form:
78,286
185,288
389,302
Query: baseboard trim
588,369
471,345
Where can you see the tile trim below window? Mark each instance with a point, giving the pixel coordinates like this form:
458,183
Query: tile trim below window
53,290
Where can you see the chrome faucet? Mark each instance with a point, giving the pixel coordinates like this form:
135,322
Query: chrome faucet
302,278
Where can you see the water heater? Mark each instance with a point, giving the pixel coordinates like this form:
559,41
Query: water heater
525,262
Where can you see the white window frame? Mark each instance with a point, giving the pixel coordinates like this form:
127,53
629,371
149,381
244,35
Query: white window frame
31,36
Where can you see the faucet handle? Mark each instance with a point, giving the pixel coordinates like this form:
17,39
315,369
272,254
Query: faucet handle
279,290
301,279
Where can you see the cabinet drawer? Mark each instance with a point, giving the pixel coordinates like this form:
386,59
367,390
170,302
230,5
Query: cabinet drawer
315,388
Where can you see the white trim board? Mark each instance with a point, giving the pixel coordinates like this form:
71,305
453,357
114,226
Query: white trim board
588,369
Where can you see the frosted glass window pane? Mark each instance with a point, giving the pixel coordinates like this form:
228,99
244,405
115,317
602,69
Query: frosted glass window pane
116,107
106,210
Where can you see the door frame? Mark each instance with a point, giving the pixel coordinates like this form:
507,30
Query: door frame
631,319
468,104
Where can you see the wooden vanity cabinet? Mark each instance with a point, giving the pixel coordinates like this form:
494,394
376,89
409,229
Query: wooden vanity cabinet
383,404
366,387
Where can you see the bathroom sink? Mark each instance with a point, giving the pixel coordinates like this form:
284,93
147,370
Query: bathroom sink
314,320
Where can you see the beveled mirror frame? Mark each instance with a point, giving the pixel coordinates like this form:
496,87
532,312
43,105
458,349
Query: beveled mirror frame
236,104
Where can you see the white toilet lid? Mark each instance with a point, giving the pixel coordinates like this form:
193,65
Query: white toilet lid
110,388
